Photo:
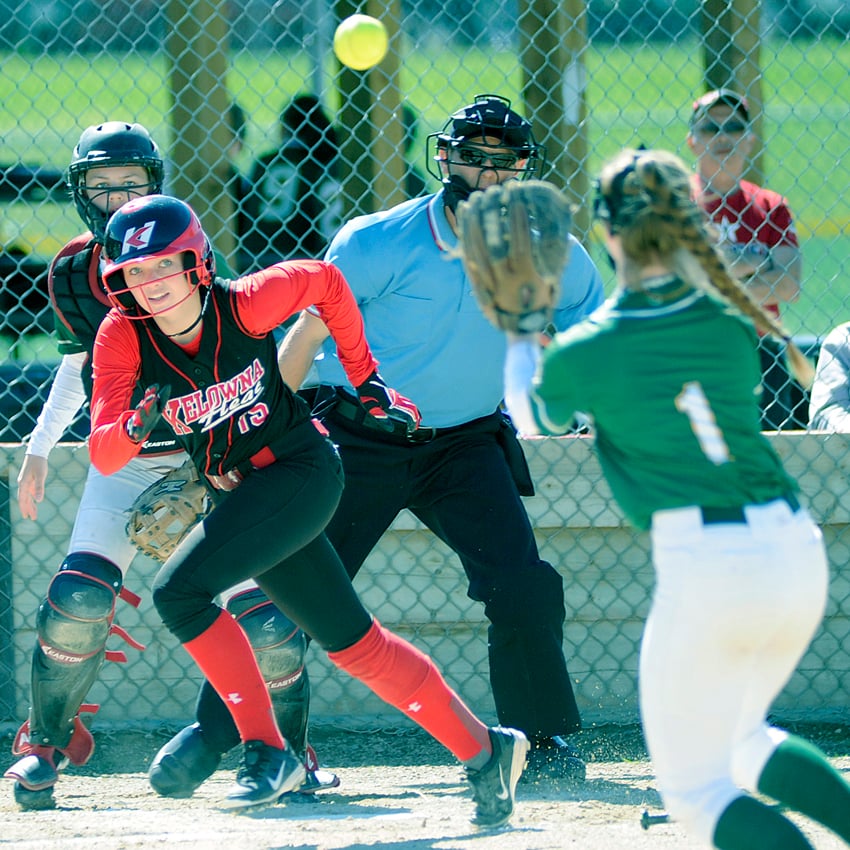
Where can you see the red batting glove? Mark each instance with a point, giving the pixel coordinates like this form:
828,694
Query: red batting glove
391,409
147,412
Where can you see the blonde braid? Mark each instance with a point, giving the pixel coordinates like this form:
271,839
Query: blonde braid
657,219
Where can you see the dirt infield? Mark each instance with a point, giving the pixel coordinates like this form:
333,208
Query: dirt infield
398,792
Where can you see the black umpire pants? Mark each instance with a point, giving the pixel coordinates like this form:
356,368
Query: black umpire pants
460,486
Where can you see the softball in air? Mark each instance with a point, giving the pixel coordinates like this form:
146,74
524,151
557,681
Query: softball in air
360,42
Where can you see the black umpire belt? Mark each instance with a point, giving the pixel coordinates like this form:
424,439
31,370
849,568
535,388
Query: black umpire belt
345,407
713,516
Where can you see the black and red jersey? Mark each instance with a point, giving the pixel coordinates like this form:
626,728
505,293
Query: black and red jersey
228,402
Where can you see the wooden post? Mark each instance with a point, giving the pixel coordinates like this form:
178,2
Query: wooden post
553,38
732,57
197,49
370,119
356,136
387,150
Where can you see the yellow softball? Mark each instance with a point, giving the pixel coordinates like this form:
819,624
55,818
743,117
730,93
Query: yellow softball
360,41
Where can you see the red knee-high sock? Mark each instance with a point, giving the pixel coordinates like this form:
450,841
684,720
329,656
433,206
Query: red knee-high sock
225,657
406,678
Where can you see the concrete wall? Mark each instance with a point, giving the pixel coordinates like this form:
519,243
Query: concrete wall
415,585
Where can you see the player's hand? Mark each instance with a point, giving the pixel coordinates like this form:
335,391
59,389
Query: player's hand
391,409
147,412
31,480
743,261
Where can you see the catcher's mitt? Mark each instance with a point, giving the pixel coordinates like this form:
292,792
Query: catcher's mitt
165,512
514,245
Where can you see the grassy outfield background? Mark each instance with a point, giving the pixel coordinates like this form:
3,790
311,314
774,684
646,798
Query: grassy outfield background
635,94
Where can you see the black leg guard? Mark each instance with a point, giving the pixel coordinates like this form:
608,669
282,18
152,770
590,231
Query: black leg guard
192,756
291,707
72,626
57,694
279,646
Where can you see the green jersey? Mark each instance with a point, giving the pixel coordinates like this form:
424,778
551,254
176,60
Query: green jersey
670,378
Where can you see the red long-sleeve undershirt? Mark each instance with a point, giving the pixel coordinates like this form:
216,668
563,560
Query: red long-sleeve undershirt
263,301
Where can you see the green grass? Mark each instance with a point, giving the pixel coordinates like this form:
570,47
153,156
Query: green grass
28,349
635,94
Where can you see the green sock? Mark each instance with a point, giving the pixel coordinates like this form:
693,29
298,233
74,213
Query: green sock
747,824
800,777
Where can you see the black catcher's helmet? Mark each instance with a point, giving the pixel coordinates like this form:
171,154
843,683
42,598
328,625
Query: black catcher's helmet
148,227
105,145
468,128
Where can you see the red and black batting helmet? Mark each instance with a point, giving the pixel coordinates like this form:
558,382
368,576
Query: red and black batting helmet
113,143
149,227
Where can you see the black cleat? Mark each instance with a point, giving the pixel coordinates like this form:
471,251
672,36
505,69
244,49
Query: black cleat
554,760
494,786
265,773
34,801
183,764
35,775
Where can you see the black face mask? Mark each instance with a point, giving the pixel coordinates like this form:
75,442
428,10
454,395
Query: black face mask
456,189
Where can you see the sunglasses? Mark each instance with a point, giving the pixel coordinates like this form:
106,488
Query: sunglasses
479,158
729,128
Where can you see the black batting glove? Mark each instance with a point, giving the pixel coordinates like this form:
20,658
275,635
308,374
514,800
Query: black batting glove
392,410
147,412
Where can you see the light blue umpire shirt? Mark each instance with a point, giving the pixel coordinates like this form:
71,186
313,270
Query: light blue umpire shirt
422,321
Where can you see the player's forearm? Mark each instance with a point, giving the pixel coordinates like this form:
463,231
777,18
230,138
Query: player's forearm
110,446
521,364
116,367
775,287
775,278
340,313
64,401
299,347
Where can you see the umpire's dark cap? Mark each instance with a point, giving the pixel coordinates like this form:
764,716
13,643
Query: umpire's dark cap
489,115
720,96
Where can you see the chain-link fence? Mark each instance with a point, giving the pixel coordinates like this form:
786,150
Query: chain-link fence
221,87
416,586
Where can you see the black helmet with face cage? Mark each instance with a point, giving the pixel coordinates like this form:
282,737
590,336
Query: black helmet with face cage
113,143
489,116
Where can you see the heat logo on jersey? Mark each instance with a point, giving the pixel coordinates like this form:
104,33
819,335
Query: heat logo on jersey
138,237
215,404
